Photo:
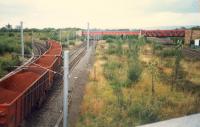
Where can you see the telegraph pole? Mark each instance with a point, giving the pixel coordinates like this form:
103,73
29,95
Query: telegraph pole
66,81
60,36
88,35
22,40
32,42
76,36
140,34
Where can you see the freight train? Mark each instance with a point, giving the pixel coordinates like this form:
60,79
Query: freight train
25,90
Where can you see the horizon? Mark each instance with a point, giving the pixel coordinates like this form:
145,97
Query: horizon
145,28
120,14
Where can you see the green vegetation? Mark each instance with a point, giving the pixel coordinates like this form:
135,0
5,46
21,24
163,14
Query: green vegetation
71,42
168,53
7,63
153,69
9,50
132,85
10,44
178,58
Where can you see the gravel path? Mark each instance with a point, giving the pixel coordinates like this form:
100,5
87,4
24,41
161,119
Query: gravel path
81,75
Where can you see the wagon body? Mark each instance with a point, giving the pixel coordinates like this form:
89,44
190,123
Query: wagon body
20,97
22,92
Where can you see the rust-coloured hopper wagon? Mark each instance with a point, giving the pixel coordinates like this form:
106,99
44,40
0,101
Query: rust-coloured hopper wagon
26,89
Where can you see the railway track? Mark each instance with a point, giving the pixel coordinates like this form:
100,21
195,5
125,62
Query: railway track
40,72
75,49
75,58
38,50
25,89
191,53
53,103
188,52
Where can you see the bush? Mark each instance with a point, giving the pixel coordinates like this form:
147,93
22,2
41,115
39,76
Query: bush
112,48
168,53
71,43
109,70
11,34
144,113
43,38
105,37
109,40
115,48
134,72
8,45
8,61
158,46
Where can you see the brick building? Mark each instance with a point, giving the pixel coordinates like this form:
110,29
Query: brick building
191,35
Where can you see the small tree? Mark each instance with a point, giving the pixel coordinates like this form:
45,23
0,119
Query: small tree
178,57
134,71
135,68
152,67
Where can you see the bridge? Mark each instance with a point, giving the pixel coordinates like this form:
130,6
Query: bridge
146,33
163,33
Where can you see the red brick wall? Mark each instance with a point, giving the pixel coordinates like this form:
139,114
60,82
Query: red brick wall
191,35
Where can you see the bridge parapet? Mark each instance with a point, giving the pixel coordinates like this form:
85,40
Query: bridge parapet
163,33
146,33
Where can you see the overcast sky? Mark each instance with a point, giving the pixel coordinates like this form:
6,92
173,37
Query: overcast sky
100,13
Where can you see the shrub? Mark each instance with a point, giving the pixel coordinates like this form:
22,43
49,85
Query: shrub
115,48
144,113
112,48
109,70
8,61
134,72
11,34
71,43
105,37
43,38
109,40
168,53
158,46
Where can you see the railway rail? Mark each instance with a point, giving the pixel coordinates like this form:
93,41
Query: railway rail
188,52
38,50
76,48
53,103
75,57
28,87
191,53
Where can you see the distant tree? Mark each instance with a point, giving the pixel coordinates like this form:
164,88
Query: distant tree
9,27
196,28
183,28
3,29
